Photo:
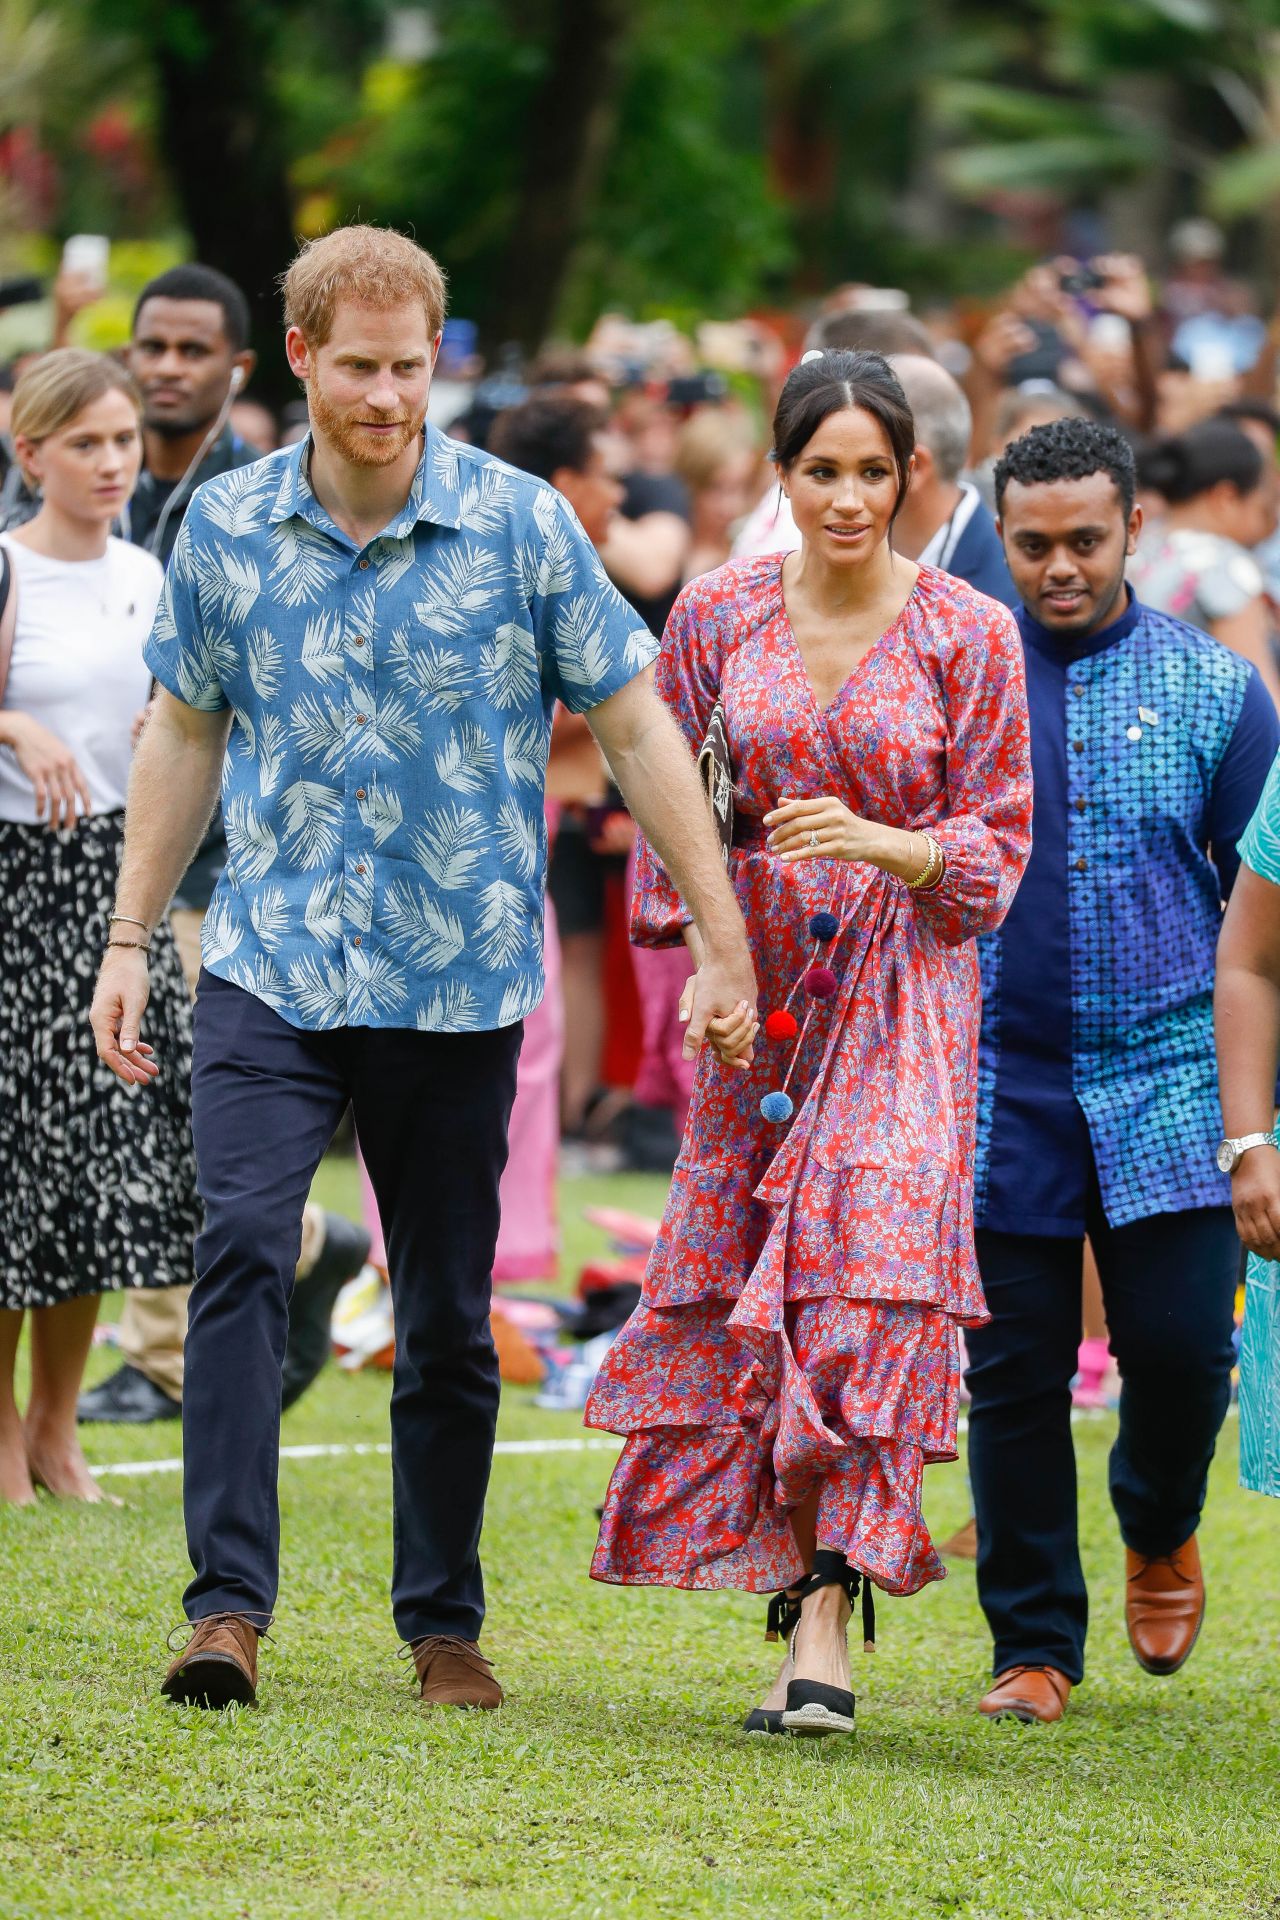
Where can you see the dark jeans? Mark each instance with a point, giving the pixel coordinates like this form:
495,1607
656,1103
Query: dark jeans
1168,1284
431,1113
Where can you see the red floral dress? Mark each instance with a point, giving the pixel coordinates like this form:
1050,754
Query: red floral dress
799,1315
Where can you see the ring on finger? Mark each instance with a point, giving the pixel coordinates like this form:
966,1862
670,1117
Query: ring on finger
813,840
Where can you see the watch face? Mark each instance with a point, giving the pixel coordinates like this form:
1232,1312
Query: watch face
1226,1157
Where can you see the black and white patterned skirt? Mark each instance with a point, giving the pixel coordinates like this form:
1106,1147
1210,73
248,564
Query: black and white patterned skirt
97,1180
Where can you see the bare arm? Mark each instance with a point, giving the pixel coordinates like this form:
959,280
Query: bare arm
1246,1015
653,767
646,556
173,787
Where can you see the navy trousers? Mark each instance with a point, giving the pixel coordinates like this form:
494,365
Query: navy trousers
431,1112
1168,1285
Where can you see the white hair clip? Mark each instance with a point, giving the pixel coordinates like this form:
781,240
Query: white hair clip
814,353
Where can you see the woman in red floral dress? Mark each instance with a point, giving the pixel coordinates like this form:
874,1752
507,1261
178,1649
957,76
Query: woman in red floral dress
793,1363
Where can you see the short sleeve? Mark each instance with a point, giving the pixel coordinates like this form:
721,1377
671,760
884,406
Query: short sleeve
590,640
1241,776
1227,586
1260,842
180,652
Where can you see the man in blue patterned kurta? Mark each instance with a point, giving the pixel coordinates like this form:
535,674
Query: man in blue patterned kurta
368,633
1098,1104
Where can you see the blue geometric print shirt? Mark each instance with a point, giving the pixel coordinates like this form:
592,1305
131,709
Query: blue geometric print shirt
384,778
1150,744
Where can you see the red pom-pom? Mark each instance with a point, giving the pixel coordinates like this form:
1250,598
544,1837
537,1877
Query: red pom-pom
820,983
781,1025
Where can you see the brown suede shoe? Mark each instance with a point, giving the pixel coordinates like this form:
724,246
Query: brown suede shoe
218,1665
454,1673
1163,1606
1028,1694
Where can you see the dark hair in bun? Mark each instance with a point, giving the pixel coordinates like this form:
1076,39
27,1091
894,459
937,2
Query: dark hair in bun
829,383
1182,466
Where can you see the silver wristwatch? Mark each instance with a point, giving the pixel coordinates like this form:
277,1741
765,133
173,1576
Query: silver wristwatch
1232,1152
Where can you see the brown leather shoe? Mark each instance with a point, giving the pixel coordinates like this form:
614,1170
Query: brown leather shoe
1163,1606
218,1665
454,1673
963,1544
1028,1694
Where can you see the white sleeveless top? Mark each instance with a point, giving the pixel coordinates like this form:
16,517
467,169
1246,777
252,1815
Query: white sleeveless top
77,664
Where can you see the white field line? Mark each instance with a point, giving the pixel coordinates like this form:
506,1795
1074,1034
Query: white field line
135,1469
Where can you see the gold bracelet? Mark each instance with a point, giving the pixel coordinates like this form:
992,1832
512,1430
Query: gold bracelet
934,867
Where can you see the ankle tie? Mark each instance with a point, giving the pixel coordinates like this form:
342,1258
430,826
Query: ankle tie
830,1569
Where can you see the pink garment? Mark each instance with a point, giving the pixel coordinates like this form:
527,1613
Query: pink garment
528,1241
664,1078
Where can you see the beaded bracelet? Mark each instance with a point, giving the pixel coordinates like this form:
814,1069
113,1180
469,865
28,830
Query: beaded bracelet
132,946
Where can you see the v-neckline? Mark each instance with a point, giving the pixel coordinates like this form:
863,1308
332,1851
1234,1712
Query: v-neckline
825,713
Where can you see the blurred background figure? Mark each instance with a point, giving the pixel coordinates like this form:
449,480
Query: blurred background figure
1194,561
717,459
97,1185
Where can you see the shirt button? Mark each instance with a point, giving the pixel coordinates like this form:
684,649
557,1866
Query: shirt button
360,867
1081,864
355,940
362,719
1077,692
1081,804
364,566
358,640
1078,746
360,793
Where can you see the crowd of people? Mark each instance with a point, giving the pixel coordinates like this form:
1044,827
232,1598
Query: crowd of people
973,622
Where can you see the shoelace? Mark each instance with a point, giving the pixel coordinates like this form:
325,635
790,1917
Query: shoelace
463,1650
193,1627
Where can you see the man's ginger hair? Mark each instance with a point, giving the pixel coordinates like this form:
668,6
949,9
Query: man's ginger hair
372,266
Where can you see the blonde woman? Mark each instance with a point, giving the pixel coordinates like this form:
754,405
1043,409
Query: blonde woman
716,457
97,1188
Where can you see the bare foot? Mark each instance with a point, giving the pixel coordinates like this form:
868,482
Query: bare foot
57,1464
818,1643
777,1694
16,1489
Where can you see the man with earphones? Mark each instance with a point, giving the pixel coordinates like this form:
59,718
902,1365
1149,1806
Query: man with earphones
191,357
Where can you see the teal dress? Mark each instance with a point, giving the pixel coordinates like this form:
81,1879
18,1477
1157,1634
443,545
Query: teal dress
1260,1341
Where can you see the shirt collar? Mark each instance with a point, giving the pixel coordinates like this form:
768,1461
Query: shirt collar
435,495
941,548
1055,647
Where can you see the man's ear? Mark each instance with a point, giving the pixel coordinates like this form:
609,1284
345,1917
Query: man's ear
244,363
1133,530
297,353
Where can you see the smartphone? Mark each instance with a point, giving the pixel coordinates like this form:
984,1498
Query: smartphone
88,254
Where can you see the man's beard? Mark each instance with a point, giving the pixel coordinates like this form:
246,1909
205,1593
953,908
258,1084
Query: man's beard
347,439
170,428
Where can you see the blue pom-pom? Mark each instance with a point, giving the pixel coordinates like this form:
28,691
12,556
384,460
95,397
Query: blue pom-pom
777,1106
824,926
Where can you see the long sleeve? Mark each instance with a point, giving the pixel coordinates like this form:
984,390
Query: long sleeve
687,681
986,832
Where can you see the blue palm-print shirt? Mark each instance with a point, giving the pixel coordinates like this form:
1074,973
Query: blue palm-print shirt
383,783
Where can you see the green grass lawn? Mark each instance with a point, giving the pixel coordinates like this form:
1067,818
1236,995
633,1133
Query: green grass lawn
615,1781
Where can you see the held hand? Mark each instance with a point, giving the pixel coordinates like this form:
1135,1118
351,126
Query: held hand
51,768
119,1002
821,829
1255,1200
718,1003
